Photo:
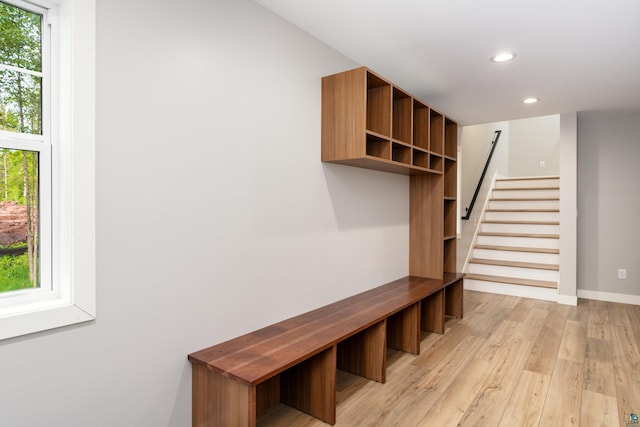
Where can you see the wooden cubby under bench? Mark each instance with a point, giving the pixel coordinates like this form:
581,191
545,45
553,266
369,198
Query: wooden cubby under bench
294,362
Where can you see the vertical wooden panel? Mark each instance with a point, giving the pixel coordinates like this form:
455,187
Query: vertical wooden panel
402,128
267,395
450,138
344,115
310,386
199,396
365,353
426,216
449,256
379,103
450,178
433,313
420,125
453,297
403,330
436,142
220,401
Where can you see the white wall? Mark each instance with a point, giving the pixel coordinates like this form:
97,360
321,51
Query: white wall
215,214
608,204
567,282
475,147
531,141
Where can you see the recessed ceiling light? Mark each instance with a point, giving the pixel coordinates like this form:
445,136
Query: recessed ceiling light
503,57
530,100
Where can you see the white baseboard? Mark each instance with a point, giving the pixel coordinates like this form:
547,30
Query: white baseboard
567,299
607,296
512,290
548,294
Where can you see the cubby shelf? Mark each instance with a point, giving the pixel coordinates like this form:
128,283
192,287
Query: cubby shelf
420,125
450,138
378,105
450,178
437,132
450,217
401,153
371,123
402,113
378,147
449,255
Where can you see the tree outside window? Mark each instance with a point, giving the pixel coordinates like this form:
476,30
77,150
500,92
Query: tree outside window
21,118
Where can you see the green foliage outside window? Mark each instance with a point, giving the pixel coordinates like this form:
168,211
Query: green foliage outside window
14,272
20,112
20,92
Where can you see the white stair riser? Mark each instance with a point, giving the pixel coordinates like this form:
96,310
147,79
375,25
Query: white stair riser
528,183
523,194
510,289
540,258
523,216
521,228
525,242
516,272
524,204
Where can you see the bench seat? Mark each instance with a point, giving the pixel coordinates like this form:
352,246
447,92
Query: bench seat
294,361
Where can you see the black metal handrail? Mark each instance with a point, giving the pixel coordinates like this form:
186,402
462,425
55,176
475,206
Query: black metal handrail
468,210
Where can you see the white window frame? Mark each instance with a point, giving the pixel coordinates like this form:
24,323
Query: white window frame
71,298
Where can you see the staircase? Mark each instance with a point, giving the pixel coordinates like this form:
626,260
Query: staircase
516,247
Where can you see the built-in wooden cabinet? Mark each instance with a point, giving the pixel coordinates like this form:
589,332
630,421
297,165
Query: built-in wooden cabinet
369,122
366,122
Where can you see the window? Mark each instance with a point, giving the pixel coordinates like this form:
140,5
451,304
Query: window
47,237
25,150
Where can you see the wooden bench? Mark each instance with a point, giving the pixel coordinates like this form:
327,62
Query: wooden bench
295,361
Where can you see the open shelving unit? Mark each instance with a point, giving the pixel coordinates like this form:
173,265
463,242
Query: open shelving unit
371,123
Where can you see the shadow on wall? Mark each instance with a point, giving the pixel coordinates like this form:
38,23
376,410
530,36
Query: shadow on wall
363,198
181,409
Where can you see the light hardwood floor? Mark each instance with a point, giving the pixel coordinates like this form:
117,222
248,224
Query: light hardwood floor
510,362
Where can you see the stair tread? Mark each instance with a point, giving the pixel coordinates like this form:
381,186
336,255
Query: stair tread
522,210
524,188
496,221
521,264
527,178
518,249
536,235
512,280
523,199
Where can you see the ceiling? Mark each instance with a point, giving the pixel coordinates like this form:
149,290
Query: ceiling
575,55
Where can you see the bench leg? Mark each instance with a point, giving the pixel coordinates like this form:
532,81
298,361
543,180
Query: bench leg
310,386
403,330
454,299
433,313
267,395
365,353
220,401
